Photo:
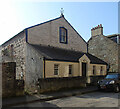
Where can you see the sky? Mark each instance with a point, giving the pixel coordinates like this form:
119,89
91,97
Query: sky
16,15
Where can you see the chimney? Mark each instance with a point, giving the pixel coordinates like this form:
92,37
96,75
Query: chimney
98,30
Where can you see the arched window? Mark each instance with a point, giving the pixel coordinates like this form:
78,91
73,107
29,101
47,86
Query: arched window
63,35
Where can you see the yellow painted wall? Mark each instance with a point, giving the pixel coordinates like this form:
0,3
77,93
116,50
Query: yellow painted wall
98,67
85,59
63,69
77,68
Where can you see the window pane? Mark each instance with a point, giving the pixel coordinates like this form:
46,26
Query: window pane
112,76
70,69
56,69
94,68
101,70
64,38
63,35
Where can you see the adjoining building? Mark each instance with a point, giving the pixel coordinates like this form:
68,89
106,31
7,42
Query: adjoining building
106,48
50,49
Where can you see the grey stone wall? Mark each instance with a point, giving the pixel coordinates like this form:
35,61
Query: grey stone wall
11,86
34,66
48,34
0,54
0,85
55,84
119,58
8,79
14,51
105,49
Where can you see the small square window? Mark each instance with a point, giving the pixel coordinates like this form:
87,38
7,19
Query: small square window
63,35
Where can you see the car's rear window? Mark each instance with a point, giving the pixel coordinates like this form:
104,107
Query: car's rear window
112,76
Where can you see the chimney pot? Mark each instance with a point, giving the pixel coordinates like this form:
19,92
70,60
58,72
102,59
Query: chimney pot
96,31
100,25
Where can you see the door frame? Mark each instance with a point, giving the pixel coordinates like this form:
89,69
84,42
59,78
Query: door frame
84,74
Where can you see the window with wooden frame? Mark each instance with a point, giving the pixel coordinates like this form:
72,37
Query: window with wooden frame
56,69
70,69
101,70
63,35
94,70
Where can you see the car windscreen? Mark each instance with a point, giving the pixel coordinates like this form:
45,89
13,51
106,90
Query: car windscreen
111,76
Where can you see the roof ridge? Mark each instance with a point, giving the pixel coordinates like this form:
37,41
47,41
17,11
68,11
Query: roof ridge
113,35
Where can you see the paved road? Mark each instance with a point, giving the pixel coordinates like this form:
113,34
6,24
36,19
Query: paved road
96,99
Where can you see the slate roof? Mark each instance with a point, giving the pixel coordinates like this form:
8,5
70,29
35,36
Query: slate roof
59,54
113,37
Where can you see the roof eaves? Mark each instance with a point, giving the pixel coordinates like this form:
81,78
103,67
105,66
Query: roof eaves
12,38
99,63
29,28
110,39
113,35
44,22
60,60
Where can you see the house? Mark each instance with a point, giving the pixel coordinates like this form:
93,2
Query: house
50,49
106,48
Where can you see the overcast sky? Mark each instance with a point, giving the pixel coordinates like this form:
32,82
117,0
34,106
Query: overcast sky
16,15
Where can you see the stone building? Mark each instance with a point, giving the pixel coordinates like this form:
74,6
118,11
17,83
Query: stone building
50,49
105,47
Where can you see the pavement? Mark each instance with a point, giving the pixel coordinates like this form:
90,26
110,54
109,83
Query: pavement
14,101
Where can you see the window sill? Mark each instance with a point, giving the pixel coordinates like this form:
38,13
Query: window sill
63,42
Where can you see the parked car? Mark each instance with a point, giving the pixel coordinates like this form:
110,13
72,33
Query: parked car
110,82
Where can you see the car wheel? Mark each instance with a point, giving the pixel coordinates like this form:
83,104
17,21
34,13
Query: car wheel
116,89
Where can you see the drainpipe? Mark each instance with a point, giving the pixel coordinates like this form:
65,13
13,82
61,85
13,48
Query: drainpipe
44,66
87,47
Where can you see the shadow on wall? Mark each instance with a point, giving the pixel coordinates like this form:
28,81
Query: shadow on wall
55,84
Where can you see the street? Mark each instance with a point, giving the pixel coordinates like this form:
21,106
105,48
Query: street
95,99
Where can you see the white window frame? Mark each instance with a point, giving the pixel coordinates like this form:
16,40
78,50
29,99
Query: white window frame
56,69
